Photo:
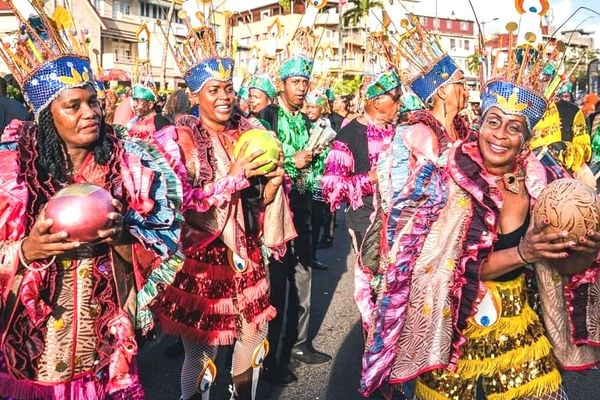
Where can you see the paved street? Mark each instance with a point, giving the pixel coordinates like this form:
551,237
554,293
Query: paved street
334,321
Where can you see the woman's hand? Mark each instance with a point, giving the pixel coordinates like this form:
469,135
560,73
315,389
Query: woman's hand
247,165
589,244
41,244
113,234
537,244
276,178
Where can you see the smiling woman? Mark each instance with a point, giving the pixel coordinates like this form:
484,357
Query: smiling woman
460,258
67,322
235,213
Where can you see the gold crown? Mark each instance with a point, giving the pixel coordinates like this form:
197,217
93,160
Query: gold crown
40,39
200,44
221,73
530,65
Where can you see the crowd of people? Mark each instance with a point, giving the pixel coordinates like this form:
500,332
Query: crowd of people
458,291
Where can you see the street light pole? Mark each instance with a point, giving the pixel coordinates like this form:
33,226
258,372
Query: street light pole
488,57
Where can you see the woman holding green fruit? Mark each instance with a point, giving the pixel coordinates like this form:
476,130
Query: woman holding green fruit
236,215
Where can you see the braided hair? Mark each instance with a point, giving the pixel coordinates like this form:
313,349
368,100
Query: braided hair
44,163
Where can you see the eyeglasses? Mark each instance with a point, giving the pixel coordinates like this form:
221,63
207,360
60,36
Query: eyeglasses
462,82
513,128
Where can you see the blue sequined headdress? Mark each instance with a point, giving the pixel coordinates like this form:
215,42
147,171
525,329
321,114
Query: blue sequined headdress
424,64
523,80
46,55
200,59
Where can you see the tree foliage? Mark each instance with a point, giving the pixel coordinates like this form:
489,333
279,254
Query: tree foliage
347,86
359,9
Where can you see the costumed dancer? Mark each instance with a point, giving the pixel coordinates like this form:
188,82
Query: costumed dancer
236,216
350,166
454,308
321,136
428,135
263,69
68,305
143,93
291,278
563,133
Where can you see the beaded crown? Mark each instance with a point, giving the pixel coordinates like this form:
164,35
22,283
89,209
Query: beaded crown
262,67
380,73
524,78
199,58
46,54
300,49
424,63
144,87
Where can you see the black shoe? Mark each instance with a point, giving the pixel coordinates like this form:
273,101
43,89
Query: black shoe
279,375
308,355
316,264
325,243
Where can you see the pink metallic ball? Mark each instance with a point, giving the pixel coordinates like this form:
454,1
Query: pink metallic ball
81,210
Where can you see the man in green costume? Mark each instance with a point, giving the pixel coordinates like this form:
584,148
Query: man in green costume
292,128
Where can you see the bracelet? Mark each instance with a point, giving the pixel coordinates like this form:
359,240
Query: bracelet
521,255
28,266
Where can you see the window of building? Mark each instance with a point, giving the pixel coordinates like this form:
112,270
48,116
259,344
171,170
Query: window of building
467,45
276,11
124,7
264,14
464,25
452,44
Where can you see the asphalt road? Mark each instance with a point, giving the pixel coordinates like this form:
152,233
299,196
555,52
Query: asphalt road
335,327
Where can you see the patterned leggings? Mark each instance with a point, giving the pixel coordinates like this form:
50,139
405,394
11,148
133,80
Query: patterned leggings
198,353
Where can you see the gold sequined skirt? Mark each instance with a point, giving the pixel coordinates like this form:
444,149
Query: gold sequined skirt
506,349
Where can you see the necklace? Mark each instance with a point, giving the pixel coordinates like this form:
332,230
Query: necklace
512,181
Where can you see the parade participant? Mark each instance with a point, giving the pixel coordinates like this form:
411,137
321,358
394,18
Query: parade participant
410,103
68,306
321,135
10,109
262,93
453,309
146,120
292,128
177,105
349,168
242,100
563,132
236,215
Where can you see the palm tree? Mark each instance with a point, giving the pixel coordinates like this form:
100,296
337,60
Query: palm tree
474,63
358,10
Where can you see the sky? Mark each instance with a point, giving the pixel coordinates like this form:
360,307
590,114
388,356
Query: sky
487,10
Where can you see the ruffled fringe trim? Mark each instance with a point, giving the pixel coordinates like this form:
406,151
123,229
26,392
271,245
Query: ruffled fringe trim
539,387
213,338
163,275
223,306
214,194
515,325
81,389
468,369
